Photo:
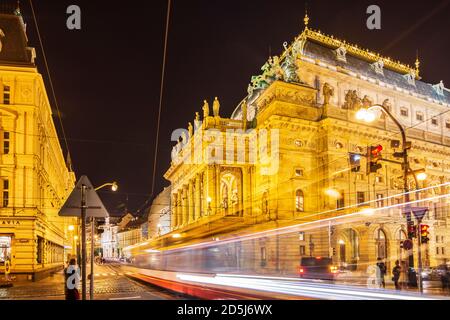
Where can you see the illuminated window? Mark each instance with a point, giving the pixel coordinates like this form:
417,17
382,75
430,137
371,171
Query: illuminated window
404,112
5,193
39,250
6,142
6,95
299,201
5,249
379,179
301,236
380,200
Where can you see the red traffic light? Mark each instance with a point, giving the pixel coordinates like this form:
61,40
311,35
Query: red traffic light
376,149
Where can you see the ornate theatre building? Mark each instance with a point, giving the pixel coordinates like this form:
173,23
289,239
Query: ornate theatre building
34,177
282,159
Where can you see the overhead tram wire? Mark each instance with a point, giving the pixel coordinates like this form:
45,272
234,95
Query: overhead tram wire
161,92
49,75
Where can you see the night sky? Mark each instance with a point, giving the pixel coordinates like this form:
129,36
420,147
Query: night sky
107,75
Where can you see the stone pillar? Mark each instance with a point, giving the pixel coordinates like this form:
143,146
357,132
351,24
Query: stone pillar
246,196
211,206
173,216
191,201
185,206
179,209
197,197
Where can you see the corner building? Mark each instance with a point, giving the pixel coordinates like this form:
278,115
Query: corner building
34,177
309,97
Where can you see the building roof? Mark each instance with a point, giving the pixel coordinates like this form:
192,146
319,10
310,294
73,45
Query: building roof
13,42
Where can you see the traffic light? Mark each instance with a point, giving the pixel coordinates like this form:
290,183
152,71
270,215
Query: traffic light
355,162
373,156
424,233
411,231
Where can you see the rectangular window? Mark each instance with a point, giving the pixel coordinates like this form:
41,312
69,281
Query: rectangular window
447,124
419,116
404,112
6,95
443,250
434,121
340,202
299,172
437,250
360,197
437,239
380,200
302,250
6,142
40,250
301,236
5,193
379,179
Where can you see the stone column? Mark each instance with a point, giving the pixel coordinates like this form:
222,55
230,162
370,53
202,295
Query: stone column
185,206
197,197
191,201
173,216
179,209
211,207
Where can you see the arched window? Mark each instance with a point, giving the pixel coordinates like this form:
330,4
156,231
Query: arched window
299,201
380,244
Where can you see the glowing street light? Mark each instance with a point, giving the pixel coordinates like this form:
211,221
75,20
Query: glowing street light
331,192
71,228
421,176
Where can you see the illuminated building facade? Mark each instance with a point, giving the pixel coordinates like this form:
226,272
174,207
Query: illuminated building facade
300,117
34,177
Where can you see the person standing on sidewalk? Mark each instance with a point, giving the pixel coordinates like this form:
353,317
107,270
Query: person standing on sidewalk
396,274
71,281
382,266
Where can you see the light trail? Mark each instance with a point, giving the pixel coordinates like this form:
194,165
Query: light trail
301,226
302,288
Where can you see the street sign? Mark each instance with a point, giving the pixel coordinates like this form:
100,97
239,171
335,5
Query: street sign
419,212
94,206
407,244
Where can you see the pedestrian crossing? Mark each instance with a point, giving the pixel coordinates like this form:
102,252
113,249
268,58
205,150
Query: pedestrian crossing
112,274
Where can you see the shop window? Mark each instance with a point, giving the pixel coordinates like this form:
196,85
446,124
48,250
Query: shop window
40,250
5,249
299,201
6,142
5,193
6,95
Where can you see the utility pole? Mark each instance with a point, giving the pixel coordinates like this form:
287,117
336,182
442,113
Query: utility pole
83,242
91,283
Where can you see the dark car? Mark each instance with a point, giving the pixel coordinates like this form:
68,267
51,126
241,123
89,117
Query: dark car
317,268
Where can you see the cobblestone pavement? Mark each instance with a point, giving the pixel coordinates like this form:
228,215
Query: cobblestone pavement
109,284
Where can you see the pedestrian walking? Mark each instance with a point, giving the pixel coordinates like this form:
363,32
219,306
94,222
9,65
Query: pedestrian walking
396,271
70,281
445,277
382,266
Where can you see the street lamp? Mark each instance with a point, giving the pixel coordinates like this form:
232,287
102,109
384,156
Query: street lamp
71,228
114,187
368,115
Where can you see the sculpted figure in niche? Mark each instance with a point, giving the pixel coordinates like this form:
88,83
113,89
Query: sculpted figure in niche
327,92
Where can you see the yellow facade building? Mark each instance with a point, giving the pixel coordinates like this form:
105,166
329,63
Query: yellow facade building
34,177
282,160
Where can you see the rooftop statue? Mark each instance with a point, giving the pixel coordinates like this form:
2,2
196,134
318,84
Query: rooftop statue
289,66
366,102
216,107
205,109
197,122
190,129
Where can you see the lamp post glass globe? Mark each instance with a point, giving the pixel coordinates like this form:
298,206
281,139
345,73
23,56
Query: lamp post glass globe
71,228
114,186
421,176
